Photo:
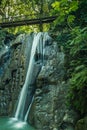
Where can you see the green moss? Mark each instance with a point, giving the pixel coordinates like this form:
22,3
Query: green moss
81,124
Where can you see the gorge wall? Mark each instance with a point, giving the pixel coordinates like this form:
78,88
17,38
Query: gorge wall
13,74
49,110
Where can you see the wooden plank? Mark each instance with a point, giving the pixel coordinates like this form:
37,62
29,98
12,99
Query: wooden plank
27,22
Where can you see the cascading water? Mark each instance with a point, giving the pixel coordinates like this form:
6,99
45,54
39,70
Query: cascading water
21,104
38,46
36,61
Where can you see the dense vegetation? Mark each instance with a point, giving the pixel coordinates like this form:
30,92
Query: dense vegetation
71,33
14,10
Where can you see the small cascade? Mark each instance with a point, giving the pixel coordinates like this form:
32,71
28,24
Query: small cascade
26,116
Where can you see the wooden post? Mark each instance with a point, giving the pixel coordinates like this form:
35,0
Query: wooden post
41,15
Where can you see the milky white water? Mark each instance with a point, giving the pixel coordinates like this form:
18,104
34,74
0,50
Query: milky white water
21,104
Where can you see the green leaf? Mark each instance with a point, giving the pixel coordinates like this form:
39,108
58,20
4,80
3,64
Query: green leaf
56,5
70,18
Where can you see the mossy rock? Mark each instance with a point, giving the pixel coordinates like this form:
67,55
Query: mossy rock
81,124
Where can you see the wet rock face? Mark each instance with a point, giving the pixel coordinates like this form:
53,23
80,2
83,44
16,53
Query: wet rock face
48,111
49,105
49,108
10,81
13,74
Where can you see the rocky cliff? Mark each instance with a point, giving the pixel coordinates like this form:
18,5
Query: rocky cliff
49,110
14,63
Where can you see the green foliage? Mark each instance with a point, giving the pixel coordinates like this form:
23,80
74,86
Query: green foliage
15,10
78,70
71,32
78,90
70,18
63,9
81,14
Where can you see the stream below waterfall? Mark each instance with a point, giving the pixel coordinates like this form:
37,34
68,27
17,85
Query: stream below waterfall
14,124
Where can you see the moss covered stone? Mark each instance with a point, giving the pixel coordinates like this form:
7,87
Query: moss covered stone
81,124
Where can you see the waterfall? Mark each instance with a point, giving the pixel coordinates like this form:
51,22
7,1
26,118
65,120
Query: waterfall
35,53
34,66
25,119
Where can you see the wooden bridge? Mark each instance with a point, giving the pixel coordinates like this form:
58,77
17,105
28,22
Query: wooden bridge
17,21
7,20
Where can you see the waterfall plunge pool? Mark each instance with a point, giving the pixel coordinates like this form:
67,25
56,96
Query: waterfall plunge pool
14,124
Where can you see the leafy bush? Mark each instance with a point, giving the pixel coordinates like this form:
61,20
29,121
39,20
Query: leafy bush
78,71
70,31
